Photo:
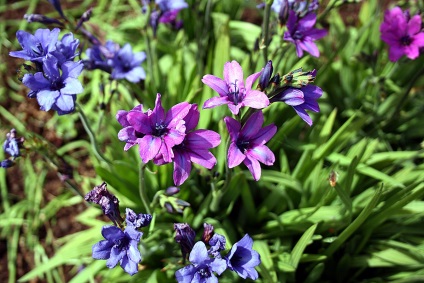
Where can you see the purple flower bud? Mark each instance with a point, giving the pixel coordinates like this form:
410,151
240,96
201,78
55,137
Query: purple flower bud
109,203
264,79
6,163
217,243
169,207
84,18
56,5
37,18
172,191
137,220
207,233
184,235
12,144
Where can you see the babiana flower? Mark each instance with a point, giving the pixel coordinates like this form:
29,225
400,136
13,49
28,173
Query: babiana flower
233,91
248,143
402,33
126,65
119,246
302,34
242,258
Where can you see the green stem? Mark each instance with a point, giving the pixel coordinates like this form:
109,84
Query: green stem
142,188
91,135
265,29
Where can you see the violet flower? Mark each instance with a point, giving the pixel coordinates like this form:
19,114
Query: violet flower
137,220
232,90
194,148
99,56
108,202
119,246
55,89
302,33
36,47
301,99
13,144
126,65
402,33
128,134
162,130
202,268
242,259
248,143
184,235
217,244
7,163
66,48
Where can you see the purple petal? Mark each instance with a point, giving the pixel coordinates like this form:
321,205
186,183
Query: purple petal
140,122
308,21
130,267
199,253
149,147
116,254
203,158
233,127
233,73
263,154
217,84
310,47
215,101
202,139
112,232
101,250
291,96
72,69
302,113
235,156
72,86
256,99
192,118
264,134
177,113
414,25
121,117
253,166
127,133
36,82
252,126
182,167
158,113
251,79
185,274
65,103
46,99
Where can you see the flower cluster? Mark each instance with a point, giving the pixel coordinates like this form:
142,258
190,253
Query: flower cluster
402,33
11,147
121,241
205,262
166,137
55,81
121,63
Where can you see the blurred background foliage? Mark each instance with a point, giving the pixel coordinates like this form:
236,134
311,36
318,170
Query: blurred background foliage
342,203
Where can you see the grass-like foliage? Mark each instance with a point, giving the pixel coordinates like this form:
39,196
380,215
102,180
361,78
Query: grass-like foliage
307,171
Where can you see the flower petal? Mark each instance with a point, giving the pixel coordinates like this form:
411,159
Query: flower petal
72,86
253,166
233,127
256,99
235,156
182,167
149,147
217,84
262,153
199,253
46,99
252,126
233,73
264,134
215,101
202,139
101,250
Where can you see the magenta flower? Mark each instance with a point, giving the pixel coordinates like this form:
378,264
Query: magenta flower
233,91
161,130
402,33
128,134
248,143
302,33
194,148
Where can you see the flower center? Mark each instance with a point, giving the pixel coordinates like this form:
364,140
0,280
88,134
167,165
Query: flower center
122,243
297,35
234,93
57,85
204,272
160,129
406,40
243,145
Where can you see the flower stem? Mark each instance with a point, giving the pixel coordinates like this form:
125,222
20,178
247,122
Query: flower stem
265,28
142,188
91,135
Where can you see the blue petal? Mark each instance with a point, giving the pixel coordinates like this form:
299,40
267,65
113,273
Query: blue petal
46,99
101,250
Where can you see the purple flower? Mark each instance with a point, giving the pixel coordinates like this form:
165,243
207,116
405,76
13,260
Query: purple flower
207,233
194,148
12,144
242,259
184,235
99,56
202,268
66,48
217,244
126,65
302,33
128,134
232,90
7,163
265,77
162,131
248,143
119,246
38,18
137,220
301,99
36,47
402,33
108,202
55,89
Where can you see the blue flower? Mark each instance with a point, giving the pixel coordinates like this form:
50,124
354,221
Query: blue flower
6,163
36,47
99,55
242,259
119,246
301,99
126,65
12,144
66,48
202,268
137,220
55,89
217,244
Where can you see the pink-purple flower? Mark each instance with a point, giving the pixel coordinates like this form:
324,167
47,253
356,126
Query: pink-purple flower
248,143
233,91
162,130
302,33
402,33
